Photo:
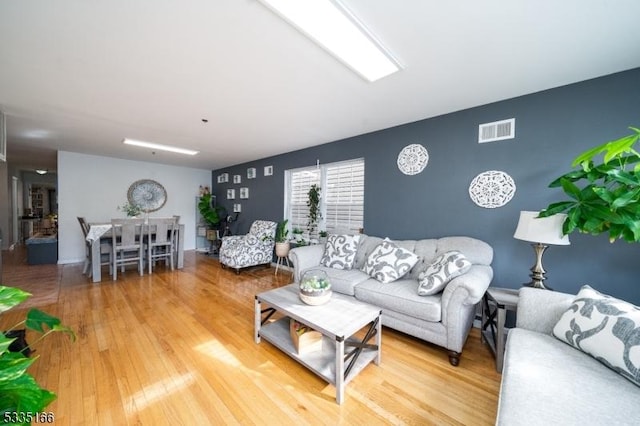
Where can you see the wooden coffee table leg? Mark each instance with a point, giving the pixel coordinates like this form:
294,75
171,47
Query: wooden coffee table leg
258,320
379,339
339,370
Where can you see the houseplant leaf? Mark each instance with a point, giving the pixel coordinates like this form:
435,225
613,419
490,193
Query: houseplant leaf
606,192
11,296
37,320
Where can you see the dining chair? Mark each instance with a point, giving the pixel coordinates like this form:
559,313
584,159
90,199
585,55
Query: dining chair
127,239
105,249
161,234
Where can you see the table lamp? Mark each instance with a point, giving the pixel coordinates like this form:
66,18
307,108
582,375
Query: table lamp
540,232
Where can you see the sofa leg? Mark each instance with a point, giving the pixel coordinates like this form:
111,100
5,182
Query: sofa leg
454,358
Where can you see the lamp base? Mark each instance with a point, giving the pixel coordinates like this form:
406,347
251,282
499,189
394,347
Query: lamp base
537,271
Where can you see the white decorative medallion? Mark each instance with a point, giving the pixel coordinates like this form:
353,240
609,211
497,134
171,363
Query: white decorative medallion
492,189
413,159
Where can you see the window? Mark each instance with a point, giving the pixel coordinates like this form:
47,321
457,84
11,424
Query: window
341,196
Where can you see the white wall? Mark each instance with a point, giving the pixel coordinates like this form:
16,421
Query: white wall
93,187
5,206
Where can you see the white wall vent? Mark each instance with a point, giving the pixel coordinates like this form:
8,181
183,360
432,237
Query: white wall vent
497,131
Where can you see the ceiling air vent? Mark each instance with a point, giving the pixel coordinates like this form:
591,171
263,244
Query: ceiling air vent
497,131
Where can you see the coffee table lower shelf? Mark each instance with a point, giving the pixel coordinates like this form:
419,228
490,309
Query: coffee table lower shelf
321,362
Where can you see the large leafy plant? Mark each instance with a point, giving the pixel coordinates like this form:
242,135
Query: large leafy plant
313,202
282,232
604,191
21,398
211,215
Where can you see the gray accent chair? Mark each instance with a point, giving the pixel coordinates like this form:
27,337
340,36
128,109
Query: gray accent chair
548,382
254,248
444,318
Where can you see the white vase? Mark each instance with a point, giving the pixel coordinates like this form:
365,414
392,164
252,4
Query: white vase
282,249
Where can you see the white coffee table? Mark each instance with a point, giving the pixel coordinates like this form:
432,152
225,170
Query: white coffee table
338,320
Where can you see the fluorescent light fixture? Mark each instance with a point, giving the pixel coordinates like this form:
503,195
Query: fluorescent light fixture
330,24
159,147
41,172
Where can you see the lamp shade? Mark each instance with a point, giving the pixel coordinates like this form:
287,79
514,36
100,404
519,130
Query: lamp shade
544,230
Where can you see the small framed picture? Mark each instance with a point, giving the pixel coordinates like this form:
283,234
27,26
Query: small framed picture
251,173
244,193
231,194
237,208
202,231
223,178
237,178
268,170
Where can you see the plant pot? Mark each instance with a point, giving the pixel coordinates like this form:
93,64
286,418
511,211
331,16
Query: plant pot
315,288
282,249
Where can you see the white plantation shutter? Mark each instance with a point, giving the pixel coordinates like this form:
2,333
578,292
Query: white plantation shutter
300,182
344,197
341,196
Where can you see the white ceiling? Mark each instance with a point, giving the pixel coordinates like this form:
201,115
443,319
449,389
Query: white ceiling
79,75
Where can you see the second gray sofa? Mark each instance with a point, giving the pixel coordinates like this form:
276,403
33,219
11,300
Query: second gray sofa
444,318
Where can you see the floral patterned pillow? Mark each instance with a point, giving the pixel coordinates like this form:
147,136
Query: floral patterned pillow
444,268
388,262
340,251
606,328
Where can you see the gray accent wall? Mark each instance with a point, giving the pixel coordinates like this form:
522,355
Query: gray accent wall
552,128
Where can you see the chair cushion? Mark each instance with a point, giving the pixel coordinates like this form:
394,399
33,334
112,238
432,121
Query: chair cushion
388,262
340,251
606,328
444,268
254,248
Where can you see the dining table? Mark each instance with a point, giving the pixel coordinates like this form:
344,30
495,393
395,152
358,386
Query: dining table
102,231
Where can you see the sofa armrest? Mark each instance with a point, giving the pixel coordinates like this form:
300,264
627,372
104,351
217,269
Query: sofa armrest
305,257
473,284
539,310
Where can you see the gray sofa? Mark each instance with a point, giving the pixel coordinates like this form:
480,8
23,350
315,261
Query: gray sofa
547,382
444,318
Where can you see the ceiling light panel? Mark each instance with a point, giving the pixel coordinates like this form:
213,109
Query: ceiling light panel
159,147
330,24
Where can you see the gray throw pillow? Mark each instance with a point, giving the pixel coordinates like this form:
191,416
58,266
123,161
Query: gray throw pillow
606,328
443,269
388,262
340,251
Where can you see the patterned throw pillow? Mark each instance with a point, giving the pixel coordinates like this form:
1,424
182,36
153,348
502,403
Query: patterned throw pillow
606,328
444,268
388,262
340,251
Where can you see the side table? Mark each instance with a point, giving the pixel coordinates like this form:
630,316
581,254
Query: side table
496,302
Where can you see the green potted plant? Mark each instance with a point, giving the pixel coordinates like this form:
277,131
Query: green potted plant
211,215
130,209
297,235
313,202
322,237
22,400
282,240
604,191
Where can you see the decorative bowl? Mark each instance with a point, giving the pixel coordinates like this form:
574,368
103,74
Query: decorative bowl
315,288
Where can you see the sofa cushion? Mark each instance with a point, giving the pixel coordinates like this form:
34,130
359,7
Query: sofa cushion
546,382
400,296
606,328
340,251
365,248
343,280
444,268
389,262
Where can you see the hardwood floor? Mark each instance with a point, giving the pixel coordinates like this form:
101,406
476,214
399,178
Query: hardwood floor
177,348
